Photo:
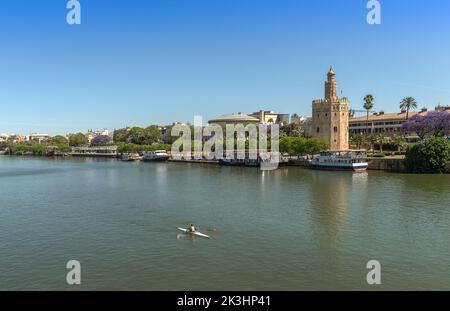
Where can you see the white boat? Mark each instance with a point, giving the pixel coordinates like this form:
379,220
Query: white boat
194,233
129,157
341,160
157,156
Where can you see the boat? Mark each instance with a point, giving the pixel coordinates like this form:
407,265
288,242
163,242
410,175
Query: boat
341,160
156,156
265,161
195,233
129,157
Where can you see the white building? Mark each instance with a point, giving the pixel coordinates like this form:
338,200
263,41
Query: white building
4,137
38,137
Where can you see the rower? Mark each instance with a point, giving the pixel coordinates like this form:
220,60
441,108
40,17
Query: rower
192,228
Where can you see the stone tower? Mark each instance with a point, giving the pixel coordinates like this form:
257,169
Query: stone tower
330,116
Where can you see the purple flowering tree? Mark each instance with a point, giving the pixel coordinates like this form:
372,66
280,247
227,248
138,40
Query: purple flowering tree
101,140
434,123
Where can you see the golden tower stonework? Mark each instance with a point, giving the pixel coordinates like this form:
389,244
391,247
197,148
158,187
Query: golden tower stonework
330,116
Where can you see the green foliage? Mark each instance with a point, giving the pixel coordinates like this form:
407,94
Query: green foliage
38,149
302,146
138,136
78,140
291,130
429,156
407,104
359,140
29,147
120,136
399,142
368,104
58,140
378,155
122,147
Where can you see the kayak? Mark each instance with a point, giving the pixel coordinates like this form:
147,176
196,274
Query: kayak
195,233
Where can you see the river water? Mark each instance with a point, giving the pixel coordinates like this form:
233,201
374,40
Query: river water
290,229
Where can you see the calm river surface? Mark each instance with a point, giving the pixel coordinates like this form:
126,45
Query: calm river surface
290,229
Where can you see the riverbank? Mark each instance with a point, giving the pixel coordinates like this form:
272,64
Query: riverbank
394,164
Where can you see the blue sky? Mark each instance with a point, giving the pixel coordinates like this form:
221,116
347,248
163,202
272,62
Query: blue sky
139,62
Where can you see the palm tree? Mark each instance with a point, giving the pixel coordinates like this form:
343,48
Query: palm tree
368,104
381,140
372,140
399,142
407,104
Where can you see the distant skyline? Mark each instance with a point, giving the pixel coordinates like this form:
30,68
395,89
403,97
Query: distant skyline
162,61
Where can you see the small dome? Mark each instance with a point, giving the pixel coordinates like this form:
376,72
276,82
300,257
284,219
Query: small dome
234,118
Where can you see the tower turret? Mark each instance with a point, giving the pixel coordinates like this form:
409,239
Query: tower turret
331,86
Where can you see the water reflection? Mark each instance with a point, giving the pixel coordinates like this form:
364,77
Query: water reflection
329,202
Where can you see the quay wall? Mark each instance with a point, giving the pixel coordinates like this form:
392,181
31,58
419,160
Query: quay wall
388,164
194,161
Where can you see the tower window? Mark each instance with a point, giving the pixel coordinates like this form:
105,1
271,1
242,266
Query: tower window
335,129
318,129
326,115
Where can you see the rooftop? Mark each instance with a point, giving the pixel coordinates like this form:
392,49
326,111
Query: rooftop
235,117
385,116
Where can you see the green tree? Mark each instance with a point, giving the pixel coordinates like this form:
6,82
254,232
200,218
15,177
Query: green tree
120,136
144,136
371,141
291,130
358,139
315,145
78,140
58,140
407,104
381,140
429,156
368,104
302,146
399,142
153,134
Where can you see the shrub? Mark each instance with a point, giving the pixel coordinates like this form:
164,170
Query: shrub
428,156
142,148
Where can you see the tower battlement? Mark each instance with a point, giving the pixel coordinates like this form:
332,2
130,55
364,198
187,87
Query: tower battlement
343,100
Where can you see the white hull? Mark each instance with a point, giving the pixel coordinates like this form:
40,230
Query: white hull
194,233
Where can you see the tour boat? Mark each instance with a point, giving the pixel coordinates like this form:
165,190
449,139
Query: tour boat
156,156
346,160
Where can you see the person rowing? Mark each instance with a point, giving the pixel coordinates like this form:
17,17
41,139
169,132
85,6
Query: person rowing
192,229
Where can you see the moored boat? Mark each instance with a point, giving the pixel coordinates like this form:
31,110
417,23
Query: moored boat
340,160
265,161
156,156
129,157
